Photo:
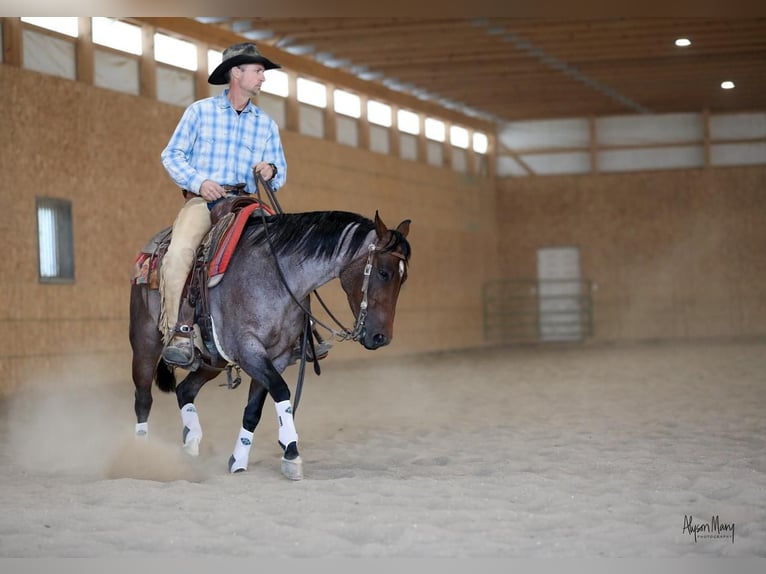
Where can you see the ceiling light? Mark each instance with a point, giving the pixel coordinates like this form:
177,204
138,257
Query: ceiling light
258,34
683,42
727,85
300,49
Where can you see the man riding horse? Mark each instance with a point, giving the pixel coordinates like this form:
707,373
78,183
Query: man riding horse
219,147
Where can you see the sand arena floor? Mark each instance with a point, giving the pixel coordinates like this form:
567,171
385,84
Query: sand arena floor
614,451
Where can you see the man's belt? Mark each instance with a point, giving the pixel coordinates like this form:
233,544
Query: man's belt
231,190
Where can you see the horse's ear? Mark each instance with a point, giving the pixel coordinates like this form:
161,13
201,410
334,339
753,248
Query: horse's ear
404,227
380,227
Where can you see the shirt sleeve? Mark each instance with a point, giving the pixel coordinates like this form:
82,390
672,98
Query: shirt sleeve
175,156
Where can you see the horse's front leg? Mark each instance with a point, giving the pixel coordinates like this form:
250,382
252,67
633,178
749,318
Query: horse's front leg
255,400
186,392
262,369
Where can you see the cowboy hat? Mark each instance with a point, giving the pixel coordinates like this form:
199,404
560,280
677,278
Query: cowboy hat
236,55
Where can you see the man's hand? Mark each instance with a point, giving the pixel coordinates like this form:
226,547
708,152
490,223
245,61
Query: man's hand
210,190
265,170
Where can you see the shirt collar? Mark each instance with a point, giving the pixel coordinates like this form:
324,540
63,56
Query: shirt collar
222,101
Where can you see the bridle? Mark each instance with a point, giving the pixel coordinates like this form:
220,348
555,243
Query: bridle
362,315
354,335
345,334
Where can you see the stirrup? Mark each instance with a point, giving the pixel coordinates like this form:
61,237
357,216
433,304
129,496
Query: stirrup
322,348
179,349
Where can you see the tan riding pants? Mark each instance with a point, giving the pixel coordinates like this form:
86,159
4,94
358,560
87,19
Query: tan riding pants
190,226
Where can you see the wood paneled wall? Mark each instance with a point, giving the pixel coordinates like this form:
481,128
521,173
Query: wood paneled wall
673,254
100,149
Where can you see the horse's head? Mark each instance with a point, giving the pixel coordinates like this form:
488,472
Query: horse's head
372,283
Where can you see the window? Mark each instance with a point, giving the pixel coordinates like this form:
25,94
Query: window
480,142
276,83
118,35
175,52
408,122
312,93
458,137
435,130
379,113
347,103
214,57
68,25
54,238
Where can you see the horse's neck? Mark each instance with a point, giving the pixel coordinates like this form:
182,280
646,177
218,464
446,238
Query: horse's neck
306,276
316,272
255,271
301,277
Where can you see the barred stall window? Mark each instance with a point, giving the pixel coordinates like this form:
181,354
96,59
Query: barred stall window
55,243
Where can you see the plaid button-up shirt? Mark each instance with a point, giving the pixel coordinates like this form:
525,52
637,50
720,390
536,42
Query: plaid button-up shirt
212,141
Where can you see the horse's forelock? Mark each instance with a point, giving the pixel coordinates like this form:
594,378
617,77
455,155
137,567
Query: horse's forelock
397,242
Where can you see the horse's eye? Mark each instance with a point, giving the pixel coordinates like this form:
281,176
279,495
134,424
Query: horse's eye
383,274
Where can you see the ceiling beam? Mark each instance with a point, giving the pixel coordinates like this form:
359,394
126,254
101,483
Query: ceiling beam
219,38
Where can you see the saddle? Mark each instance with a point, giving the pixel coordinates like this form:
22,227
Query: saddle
228,217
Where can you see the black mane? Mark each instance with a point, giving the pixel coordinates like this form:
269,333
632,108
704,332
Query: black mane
311,234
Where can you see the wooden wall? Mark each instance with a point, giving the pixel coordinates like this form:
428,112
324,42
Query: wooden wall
100,149
674,254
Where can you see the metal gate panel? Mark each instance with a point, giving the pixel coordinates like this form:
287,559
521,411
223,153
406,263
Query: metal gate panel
512,311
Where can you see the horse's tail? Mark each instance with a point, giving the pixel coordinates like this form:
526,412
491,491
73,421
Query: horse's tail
166,378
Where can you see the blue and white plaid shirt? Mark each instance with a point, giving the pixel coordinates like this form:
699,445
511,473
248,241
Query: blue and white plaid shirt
213,142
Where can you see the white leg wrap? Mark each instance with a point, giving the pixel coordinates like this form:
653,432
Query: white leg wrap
192,428
192,431
287,432
142,430
241,455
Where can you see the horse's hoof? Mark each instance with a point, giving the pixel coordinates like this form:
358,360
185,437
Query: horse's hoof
191,446
142,431
293,469
237,466
191,439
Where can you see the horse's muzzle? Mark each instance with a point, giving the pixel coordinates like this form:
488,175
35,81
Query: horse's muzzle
374,341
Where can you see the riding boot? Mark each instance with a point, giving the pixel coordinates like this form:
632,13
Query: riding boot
179,350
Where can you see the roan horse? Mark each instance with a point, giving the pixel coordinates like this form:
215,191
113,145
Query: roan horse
257,312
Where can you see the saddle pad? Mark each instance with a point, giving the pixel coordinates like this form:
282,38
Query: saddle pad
225,249
144,268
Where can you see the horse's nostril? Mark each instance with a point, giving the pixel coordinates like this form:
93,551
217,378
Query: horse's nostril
380,339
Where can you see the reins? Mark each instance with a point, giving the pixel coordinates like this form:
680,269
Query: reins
346,334
309,316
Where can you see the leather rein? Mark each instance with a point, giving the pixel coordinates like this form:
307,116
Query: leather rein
345,334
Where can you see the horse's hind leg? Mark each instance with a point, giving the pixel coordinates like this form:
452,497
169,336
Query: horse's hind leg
186,392
255,400
146,344
142,379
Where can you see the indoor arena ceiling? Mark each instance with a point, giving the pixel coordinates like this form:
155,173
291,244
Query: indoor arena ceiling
504,69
